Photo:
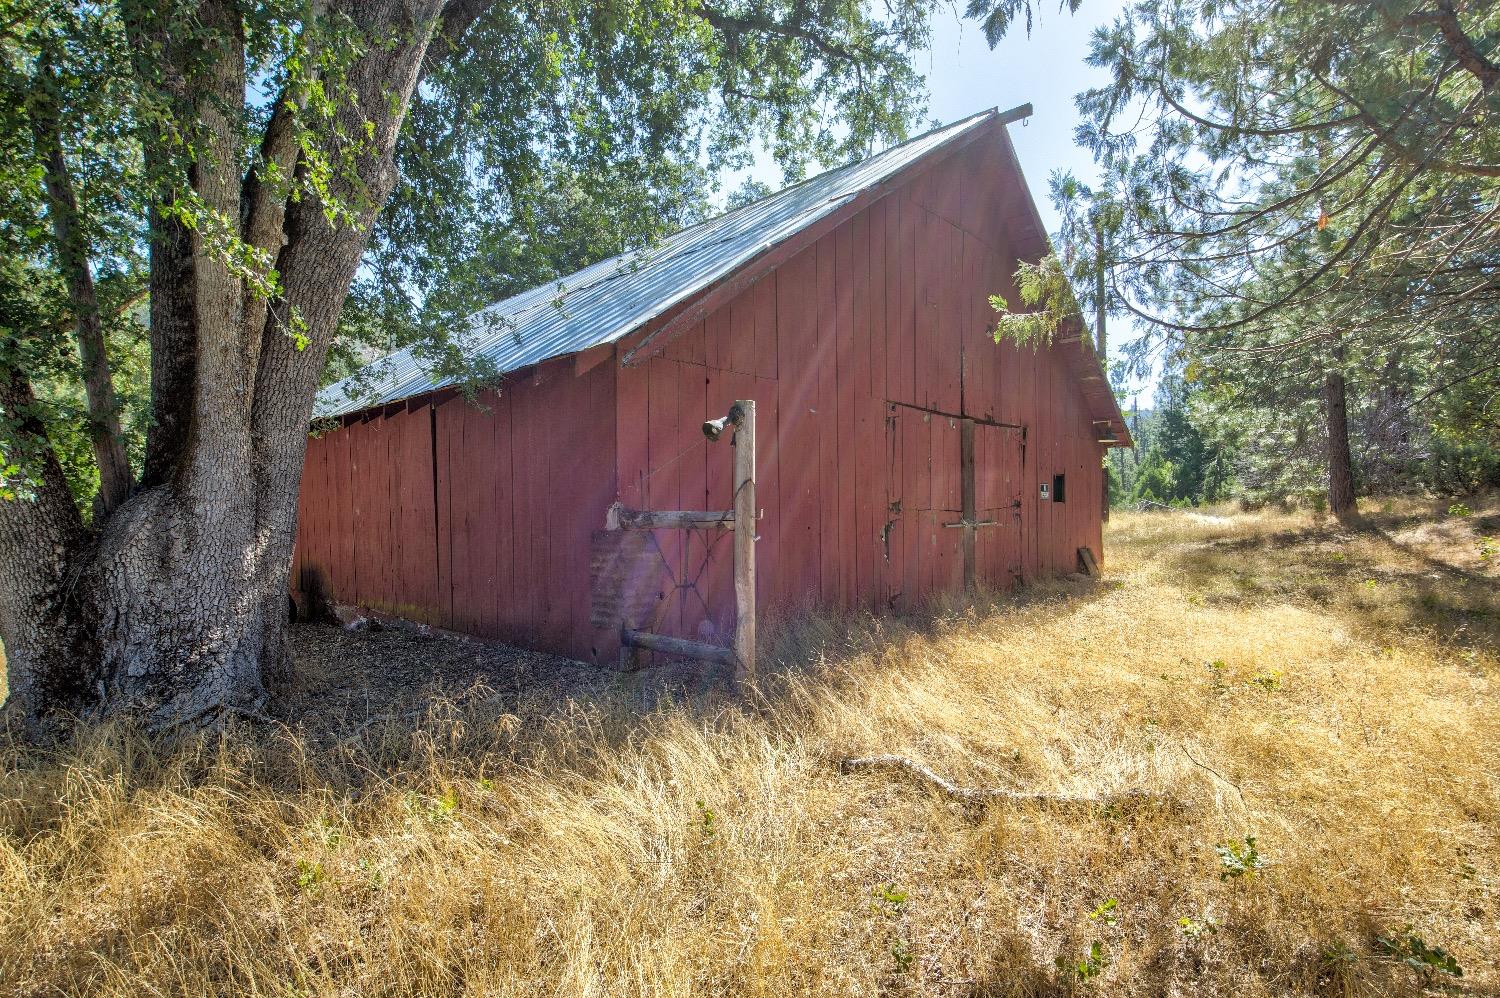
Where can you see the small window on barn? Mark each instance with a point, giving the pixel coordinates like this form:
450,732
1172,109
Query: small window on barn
1059,488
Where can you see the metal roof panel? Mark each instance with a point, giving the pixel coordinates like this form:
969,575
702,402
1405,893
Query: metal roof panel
608,300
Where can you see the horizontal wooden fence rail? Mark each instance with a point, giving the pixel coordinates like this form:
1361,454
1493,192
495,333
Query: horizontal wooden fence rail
677,646
622,518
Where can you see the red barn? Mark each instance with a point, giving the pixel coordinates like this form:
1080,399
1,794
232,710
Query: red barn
901,451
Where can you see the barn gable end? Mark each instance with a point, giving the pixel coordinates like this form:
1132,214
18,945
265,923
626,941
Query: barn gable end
885,409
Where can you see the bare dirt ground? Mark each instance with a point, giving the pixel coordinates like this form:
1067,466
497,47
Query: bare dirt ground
344,679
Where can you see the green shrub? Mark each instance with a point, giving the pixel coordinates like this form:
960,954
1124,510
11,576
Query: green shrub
1412,950
1459,468
1239,859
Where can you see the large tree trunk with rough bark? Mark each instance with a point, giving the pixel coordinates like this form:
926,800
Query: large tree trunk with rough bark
171,607
1341,497
45,606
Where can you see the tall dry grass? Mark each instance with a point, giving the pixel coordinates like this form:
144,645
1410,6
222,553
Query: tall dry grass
1332,695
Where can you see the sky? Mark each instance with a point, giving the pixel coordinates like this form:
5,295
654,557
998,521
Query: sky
1047,69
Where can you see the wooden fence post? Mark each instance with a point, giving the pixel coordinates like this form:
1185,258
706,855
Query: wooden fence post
744,544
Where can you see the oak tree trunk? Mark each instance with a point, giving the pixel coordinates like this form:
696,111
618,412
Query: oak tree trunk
45,609
171,607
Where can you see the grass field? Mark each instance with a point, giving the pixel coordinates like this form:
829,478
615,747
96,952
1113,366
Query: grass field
1311,719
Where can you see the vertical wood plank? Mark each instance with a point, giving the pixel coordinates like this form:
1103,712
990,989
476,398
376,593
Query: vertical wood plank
929,262
390,566
893,529
769,548
564,395
916,471
866,443
363,508
631,458
443,470
800,563
767,353
477,478
846,374
558,437
350,433
338,520
898,350
878,299
354,434
663,487
979,348
527,512
826,410
497,602
950,324
418,517
717,339
970,503
601,645
742,358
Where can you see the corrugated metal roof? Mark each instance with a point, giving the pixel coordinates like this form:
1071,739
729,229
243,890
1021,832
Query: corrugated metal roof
604,302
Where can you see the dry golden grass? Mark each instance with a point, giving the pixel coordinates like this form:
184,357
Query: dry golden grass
1332,695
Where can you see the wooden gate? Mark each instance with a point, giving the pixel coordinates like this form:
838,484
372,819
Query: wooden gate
626,556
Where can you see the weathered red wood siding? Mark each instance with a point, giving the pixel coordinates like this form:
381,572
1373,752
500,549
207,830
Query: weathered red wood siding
864,353
471,517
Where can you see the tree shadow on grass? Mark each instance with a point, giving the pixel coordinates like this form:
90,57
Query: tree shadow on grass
372,704
797,639
1383,586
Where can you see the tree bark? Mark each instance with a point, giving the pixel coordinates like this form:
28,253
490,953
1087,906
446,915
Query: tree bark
1101,291
174,348
45,608
70,247
1341,497
173,609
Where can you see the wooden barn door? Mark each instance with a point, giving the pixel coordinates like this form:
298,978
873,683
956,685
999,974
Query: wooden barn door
924,492
998,487
955,501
